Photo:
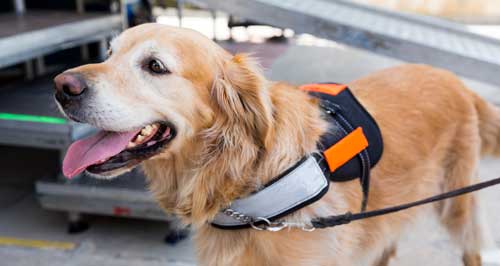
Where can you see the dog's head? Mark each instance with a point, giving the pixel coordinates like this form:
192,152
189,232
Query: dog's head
161,91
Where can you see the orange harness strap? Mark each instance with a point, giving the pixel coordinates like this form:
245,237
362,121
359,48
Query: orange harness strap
332,89
348,147
344,150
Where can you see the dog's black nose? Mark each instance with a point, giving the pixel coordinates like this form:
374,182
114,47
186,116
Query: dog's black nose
69,86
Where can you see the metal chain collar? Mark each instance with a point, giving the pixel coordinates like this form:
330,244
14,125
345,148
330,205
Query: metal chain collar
261,223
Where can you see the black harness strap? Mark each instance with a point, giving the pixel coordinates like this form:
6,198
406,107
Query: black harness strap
345,114
334,111
331,221
365,178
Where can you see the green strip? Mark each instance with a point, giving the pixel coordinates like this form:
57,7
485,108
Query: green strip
32,118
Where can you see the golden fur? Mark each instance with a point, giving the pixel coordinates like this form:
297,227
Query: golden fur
240,130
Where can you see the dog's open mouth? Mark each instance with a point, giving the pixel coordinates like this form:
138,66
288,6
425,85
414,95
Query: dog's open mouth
107,151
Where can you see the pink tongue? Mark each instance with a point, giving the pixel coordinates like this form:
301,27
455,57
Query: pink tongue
86,152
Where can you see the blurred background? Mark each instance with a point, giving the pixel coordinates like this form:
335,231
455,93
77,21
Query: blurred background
46,219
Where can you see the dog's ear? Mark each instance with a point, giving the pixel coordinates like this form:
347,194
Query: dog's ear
240,94
235,142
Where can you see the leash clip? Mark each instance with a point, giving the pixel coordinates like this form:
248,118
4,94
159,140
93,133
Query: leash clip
278,226
264,224
267,225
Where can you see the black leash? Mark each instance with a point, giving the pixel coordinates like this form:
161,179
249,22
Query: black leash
331,221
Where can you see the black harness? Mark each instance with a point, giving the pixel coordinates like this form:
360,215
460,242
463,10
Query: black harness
344,114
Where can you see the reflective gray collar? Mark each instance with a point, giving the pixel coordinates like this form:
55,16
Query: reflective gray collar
301,185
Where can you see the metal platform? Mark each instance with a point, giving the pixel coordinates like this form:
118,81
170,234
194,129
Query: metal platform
408,37
37,33
29,117
125,196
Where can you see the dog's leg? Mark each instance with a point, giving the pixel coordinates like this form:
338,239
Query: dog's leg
460,215
490,253
472,259
461,220
386,256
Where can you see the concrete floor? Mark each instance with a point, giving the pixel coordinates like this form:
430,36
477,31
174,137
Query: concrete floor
113,241
109,241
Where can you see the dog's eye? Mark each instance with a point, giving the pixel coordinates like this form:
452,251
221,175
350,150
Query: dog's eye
157,67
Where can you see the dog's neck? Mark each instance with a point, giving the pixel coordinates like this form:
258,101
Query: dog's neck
197,191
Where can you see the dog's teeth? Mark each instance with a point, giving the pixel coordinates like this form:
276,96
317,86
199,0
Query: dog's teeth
131,145
139,138
147,130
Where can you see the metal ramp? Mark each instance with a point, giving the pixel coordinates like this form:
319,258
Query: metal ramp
408,37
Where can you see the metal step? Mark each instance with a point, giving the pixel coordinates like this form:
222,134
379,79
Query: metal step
37,33
408,37
29,117
125,196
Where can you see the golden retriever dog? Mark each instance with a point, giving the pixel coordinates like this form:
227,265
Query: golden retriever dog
208,128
